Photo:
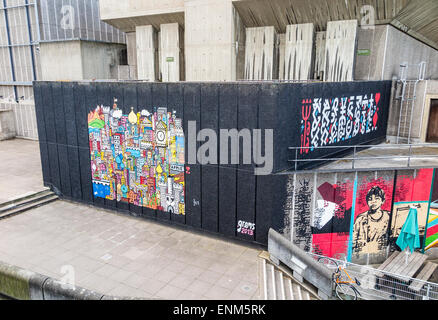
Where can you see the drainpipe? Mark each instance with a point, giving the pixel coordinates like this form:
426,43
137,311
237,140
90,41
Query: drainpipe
29,28
11,55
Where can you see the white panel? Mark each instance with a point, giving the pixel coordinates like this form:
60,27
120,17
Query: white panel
170,52
298,52
340,50
146,42
281,49
260,54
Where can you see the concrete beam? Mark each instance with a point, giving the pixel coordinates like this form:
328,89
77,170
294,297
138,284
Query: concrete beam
304,267
116,9
21,284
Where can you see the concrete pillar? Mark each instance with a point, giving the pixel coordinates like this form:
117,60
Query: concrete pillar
340,51
131,45
212,40
261,54
7,125
319,65
146,43
298,63
171,52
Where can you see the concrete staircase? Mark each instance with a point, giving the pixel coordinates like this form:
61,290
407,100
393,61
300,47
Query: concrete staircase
277,283
11,208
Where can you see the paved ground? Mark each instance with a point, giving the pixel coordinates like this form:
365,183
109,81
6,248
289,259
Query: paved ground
115,254
21,169
125,256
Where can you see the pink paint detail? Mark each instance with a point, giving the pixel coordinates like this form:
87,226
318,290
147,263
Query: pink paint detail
377,98
375,119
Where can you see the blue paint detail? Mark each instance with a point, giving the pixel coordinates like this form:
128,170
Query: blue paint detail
134,153
350,240
101,190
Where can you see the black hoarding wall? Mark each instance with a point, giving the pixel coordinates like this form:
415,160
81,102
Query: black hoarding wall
102,155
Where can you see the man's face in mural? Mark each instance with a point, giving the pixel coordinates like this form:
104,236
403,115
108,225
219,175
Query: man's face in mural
375,199
375,202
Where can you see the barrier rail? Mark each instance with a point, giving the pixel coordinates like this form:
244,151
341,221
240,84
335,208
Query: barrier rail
355,156
381,285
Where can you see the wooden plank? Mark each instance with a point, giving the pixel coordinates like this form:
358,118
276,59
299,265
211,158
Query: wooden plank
415,264
407,271
424,275
393,266
387,262
400,264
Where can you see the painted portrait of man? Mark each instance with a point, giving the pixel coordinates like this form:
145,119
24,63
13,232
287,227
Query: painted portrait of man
370,230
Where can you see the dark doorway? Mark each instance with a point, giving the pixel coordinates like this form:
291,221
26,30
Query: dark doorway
432,129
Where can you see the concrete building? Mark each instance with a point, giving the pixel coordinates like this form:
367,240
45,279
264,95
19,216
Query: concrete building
51,40
290,40
226,40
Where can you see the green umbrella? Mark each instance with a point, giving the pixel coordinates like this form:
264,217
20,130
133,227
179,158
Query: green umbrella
409,235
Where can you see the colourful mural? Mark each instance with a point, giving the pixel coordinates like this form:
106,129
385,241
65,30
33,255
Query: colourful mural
332,214
412,189
320,208
357,216
432,221
138,158
372,214
329,121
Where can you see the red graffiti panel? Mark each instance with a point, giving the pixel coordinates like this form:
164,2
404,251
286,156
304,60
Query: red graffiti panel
332,216
363,188
334,245
413,187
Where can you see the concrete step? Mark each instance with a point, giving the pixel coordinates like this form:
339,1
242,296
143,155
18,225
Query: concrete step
278,284
25,198
17,206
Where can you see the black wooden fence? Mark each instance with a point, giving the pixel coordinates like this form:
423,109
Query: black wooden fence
217,197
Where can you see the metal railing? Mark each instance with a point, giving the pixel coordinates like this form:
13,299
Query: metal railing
401,156
381,285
